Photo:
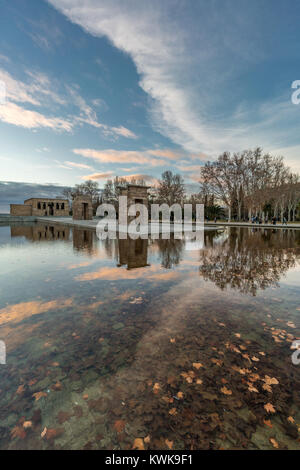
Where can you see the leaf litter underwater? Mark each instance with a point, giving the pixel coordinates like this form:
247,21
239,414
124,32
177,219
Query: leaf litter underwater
146,345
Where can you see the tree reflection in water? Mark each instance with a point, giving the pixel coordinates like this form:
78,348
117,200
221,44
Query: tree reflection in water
170,251
249,259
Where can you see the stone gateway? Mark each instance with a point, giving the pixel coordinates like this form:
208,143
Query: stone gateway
82,208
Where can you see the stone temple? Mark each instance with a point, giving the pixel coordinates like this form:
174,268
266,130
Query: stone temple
41,207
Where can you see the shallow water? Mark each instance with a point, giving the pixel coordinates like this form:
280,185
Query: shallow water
144,344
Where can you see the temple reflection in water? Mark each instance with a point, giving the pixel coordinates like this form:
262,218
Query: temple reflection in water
133,253
36,233
243,259
83,240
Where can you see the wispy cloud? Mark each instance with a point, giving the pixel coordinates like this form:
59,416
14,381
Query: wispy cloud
80,166
121,156
99,176
12,113
38,90
188,59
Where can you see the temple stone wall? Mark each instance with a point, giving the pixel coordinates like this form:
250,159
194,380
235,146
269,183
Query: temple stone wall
40,207
20,209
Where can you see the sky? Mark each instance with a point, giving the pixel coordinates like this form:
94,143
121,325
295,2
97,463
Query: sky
99,88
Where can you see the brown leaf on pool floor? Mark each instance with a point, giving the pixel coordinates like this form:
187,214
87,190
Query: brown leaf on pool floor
197,365
226,391
147,439
18,432
52,434
218,362
20,389
180,395
173,412
138,444
39,395
268,423
274,442
269,408
119,425
156,387
270,380
172,340
268,388
32,382
27,424
291,419
56,387
169,444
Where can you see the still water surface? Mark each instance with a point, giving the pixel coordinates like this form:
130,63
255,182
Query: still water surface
144,344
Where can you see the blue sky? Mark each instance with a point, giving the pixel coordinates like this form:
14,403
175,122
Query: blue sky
98,88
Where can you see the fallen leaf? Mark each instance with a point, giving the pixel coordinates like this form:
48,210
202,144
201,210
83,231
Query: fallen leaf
156,387
119,425
238,335
172,340
267,387
274,442
268,423
255,359
169,443
27,424
180,395
39,395
57,387
226,391
252,389
53,433
138,444
20,389
197,365
167,399
269,408
218,362
173,412
291,419
147,439
270,381
32,382
18,431
85,396
43,433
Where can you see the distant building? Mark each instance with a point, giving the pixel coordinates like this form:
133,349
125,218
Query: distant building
41,207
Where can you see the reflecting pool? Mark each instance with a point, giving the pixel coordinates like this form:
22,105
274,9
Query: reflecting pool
123,344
